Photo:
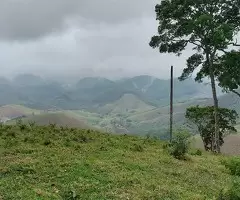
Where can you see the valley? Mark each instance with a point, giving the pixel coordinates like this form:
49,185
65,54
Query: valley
137,106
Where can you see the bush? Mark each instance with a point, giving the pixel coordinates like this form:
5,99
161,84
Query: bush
180,144
233,165
137,147
197,152
234,192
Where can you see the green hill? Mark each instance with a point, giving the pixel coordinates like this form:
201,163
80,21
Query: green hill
52,163
15,111
128,103
58,118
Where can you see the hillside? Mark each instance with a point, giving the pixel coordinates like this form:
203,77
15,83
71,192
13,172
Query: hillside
58,118
50,163
127,103
9,112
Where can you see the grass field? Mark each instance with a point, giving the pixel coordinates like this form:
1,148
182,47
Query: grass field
45,163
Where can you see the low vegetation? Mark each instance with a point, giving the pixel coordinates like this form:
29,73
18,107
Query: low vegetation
51,162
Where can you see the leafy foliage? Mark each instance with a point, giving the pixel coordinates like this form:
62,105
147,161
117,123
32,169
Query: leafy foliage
179,146
228,73
233,193
203,118
233,165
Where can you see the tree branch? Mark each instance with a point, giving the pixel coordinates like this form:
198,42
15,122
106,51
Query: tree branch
235,92
234,44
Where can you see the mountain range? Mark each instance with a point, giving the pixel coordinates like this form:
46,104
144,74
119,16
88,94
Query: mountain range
90,93
138,105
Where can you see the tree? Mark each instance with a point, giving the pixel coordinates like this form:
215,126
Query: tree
203,118
208,26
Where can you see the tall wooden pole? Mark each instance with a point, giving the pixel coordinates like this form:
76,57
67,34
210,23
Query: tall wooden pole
171,104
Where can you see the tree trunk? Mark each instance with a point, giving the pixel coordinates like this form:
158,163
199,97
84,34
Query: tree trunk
215,101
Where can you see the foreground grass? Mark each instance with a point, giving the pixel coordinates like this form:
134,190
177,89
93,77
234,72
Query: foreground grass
60,163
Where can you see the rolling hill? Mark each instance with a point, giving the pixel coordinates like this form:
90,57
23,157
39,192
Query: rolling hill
9,112
127,103
58,118
129,114
82,164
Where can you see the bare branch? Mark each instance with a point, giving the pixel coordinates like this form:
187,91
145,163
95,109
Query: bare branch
235,44
235,92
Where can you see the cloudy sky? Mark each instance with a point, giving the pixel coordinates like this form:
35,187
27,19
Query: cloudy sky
78,38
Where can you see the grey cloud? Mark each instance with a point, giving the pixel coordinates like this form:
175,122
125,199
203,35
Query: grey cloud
29,19
77,38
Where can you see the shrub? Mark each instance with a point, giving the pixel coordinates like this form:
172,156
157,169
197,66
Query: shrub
233,165
180,144
137,147
32,124
197,152
47,142
233,193
52,126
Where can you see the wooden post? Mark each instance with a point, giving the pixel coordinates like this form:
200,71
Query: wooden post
171,104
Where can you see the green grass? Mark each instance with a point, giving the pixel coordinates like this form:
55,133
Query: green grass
60,163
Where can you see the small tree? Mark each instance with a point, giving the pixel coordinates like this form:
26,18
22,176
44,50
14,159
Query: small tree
203,118
209,27
179,145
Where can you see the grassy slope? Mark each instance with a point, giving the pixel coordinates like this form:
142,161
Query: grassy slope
58,118
125,104
16,110
49,163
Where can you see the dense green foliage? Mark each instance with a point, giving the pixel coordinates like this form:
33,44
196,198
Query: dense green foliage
66,163
233,193
179,145
233,165
203,118
228,72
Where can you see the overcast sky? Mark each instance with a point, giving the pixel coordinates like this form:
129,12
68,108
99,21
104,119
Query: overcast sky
81,38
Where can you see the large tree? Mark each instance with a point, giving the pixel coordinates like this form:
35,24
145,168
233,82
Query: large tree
203,119
209,27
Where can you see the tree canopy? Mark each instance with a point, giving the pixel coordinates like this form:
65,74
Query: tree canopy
203,118
228,73
209,26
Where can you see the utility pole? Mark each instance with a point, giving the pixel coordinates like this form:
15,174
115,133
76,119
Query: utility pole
171,104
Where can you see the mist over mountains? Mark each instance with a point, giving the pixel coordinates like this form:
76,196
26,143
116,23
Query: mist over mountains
91,92
137,105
